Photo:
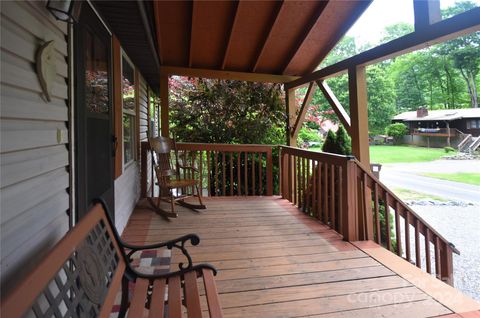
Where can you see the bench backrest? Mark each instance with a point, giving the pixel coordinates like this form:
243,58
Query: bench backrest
66,282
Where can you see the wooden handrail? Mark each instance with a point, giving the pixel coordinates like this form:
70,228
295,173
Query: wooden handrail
223,169
345,195
404,215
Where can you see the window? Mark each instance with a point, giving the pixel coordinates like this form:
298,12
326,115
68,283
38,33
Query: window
473,124
128,102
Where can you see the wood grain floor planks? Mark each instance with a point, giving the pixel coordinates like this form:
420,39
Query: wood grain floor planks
275,261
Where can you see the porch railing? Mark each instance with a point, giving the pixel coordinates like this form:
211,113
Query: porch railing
342,194
335,189
222,169
230,170
435,131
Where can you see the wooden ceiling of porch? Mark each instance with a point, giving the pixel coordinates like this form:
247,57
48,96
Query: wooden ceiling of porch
271,37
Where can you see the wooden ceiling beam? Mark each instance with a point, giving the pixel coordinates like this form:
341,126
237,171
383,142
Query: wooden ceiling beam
307,30
229,75
192,27
156,12
227,48
267,37
442,31
303,110
336,106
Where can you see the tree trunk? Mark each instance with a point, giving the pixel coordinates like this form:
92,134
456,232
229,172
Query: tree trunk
472,91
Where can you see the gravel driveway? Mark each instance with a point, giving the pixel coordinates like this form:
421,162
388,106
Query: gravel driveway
461,226
458,224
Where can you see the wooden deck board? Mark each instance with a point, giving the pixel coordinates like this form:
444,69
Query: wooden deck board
274,261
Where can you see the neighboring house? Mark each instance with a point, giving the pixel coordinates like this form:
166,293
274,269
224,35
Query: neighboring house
440,128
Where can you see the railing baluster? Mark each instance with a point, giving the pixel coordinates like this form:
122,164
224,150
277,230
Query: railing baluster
223,174
246,174
325,194
319,190
209,172
332,196
407,236
295,167
438,262
200,170
216,187
418,260
239,174
387,221
340,200
314,211
427,251
260,174
377,214
253,174
398,229
231,173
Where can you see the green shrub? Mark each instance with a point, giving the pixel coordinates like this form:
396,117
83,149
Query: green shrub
330,144
339,143
397,130
448,149
344,142
383,227
307,135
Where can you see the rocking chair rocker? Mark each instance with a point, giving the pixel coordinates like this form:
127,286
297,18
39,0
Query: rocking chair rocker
169,178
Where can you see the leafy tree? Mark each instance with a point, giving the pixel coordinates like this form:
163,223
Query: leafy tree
213,111
381,99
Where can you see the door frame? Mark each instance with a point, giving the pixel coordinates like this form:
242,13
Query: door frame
74,154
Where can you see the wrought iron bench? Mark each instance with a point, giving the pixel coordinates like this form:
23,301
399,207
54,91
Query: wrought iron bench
85,271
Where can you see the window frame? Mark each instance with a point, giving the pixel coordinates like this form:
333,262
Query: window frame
130,113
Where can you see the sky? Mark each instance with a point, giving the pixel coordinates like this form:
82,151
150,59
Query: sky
381,13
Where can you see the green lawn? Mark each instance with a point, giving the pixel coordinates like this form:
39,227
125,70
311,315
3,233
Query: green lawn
394,154
470,178
406,194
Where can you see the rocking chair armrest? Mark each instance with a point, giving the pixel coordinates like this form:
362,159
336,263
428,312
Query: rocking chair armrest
188,167
178,242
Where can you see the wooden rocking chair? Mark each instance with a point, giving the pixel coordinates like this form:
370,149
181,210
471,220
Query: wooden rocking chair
169,178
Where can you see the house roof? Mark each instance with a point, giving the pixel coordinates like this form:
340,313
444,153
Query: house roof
260,37
448,115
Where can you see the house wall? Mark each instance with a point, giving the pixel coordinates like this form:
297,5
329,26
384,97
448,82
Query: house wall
127,186
34,149
34,141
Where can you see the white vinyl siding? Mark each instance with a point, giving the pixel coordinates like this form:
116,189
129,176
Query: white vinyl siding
34,140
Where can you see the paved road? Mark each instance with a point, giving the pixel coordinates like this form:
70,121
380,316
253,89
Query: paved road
407,176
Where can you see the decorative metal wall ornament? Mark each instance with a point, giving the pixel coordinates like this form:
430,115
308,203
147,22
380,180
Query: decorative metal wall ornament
46,68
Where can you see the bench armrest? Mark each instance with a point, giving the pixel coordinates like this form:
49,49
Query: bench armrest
178,242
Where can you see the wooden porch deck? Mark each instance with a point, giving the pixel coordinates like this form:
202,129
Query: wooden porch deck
274,261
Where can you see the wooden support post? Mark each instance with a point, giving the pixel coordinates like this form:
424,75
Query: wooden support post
290,112
426,12
164,105
446,267
349,213
357,83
